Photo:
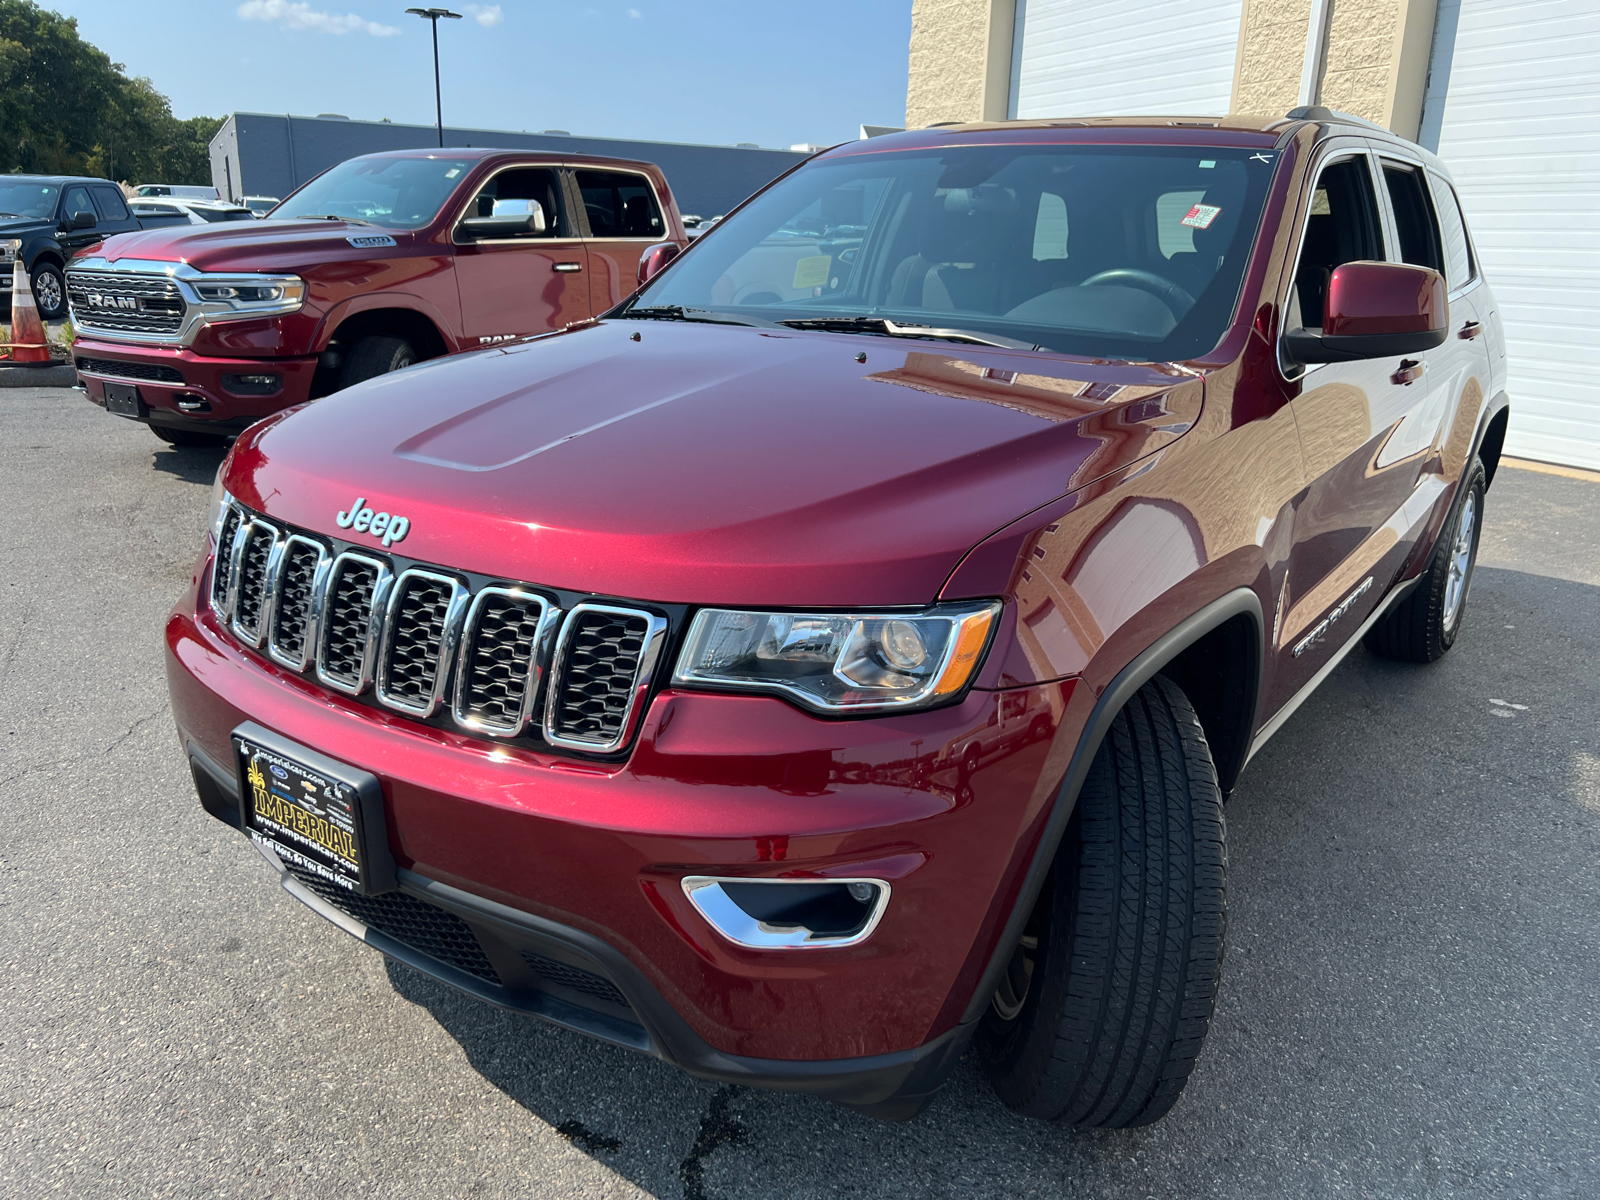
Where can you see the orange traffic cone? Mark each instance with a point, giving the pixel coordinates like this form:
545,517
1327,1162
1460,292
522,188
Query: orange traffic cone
28,344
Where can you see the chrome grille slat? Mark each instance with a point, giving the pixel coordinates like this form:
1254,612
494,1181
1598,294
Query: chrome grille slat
222,566
502,652
603,666
255,559
353,606
420,633
296,592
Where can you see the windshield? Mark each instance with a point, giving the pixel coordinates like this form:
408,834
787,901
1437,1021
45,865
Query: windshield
26,198
401,193
1128,252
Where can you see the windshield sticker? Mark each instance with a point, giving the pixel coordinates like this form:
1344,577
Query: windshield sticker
1201,216
813,271
452,172
1207,164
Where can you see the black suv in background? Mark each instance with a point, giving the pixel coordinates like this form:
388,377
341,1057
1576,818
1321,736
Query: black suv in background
46,219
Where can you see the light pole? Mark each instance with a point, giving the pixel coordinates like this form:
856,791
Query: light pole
432,15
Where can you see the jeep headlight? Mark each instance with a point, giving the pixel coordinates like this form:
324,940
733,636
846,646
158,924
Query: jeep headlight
840,662
240,297
219,505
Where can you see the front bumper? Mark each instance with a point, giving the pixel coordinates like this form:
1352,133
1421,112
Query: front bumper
193,393
580,862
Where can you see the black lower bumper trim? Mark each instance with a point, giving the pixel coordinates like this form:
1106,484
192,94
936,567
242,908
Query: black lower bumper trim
573,979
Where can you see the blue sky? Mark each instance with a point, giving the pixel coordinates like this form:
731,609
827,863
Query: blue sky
717,71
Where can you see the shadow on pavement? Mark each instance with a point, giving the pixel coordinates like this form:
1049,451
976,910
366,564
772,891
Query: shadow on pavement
1413,952
192,464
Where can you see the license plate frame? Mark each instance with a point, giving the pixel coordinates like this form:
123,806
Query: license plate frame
123,400
312,811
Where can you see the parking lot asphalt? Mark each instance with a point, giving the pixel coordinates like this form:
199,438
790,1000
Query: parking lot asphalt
1408,1006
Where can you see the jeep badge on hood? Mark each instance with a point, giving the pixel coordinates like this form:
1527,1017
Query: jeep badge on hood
363,520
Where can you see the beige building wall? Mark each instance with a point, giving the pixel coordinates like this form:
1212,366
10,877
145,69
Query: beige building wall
1375,62
960,61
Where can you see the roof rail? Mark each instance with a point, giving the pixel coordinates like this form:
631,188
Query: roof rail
1316,112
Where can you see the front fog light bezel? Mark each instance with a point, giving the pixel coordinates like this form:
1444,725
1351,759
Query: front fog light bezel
719,908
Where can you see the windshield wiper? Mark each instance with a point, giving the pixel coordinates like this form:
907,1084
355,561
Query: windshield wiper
328,217
677,312
905,329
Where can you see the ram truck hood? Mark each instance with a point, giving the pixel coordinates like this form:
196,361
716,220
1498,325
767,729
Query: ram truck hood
711,464
251,245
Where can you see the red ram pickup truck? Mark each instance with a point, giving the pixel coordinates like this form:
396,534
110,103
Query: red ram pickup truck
380,262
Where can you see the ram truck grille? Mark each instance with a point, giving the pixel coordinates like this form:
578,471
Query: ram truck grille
125,302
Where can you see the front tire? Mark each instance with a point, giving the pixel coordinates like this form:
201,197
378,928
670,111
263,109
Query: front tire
49,291
374,356
1424,625
1108,997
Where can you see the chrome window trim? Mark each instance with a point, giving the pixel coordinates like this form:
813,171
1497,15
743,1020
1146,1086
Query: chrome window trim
241,543
375,620
714,905
549,618
220,607
449,639
319,579
649,658
196,313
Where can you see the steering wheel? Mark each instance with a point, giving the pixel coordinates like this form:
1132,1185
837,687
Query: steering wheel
1164,290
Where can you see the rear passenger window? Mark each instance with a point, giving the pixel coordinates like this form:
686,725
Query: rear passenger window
1050,228
619,205
1457,250
1413,217
1341,227
109,201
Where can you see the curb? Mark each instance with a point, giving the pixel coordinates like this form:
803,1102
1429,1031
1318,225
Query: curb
64,375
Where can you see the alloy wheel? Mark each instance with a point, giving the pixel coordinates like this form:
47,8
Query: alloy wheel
1455,588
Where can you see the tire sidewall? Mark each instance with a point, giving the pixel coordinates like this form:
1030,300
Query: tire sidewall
1474,487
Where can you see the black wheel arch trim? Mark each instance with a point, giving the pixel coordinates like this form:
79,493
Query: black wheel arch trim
1241,601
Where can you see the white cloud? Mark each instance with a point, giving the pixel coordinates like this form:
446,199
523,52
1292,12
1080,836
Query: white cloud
635,13
295,14
487,15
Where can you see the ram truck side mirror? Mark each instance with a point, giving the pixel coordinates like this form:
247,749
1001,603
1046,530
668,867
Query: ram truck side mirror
82,220
510,218
654,259
1375,310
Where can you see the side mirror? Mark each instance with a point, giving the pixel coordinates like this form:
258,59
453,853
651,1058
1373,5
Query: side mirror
654,259
510,218
1376,310
82,220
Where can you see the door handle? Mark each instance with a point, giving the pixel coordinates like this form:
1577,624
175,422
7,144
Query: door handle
569,268
1469,331
1410,371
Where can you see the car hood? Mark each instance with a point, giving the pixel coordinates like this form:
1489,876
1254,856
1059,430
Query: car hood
250,245
711,464
17,226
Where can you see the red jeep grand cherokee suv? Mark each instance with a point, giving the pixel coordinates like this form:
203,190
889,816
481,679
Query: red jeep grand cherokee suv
839,653
377,263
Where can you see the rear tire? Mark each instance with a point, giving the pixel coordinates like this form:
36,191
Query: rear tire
188,437
1108,997
374,356
1424,625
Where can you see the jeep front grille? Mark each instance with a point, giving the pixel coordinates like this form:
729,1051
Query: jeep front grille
411,637
125,302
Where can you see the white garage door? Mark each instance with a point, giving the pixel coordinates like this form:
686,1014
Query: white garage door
1514,110
1098,58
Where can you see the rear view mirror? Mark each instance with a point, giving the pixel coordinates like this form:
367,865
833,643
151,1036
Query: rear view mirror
83,220
510,218
1376,310
654,259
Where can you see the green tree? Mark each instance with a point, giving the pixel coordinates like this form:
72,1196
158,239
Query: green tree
66,108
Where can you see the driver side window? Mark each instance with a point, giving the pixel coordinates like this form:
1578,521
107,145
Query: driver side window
503,193
1341,227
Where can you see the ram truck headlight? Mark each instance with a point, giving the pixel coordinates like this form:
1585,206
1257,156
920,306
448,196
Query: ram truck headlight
240,297
840,662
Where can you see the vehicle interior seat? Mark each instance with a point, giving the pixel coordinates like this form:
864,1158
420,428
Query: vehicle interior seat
961,242
636,217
